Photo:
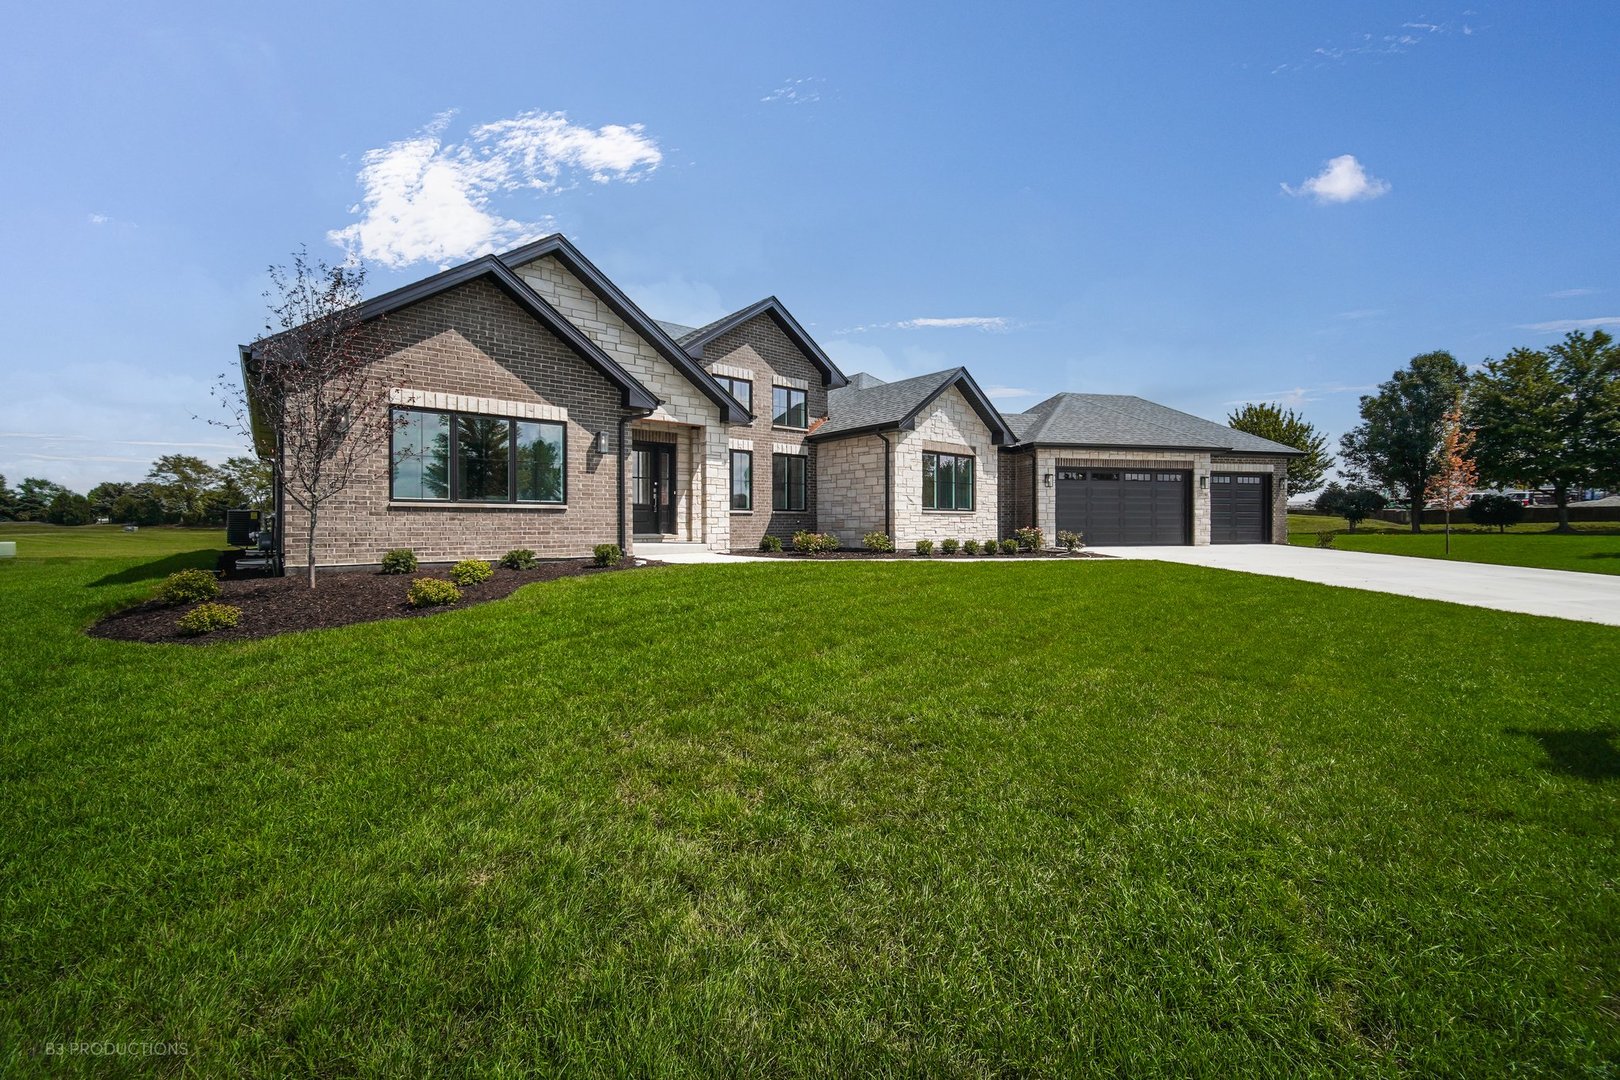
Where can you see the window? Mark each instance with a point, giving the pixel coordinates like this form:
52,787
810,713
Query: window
494,459
1171,477
1139,476
788,479
788,407
421,455
947,482
742,480
741,389
1248,479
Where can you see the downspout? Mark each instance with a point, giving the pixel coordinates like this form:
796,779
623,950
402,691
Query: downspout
280,506
888,485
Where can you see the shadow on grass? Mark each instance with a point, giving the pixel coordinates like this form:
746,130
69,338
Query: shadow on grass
159,568
1587,755
1602,555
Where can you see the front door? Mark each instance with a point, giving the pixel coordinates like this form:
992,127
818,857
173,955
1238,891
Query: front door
652,487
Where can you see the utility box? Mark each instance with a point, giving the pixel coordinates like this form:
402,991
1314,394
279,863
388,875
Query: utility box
242,527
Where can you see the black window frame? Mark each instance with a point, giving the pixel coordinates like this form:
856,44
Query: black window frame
730,384
973,481
803,404
453,478
783,489
749,494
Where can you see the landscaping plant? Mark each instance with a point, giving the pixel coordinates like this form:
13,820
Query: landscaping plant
877,541
1009,546
1497,510
189,586
432,592
1029,538
1454,473
1070,541
925,547
1324,539
206,618
399,561
949,545
519,559
970,547
607,554
471,572
770,543
992,546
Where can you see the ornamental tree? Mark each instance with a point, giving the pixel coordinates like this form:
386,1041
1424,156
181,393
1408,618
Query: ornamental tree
1455,475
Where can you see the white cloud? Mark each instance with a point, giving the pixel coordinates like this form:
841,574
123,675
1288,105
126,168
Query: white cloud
797,91
1007,392
99,219
993,323
1341,180
1300,395
1359,313
1560,326
1392,42
1567,294
427,200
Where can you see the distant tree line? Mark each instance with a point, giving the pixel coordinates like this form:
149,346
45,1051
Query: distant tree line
179,489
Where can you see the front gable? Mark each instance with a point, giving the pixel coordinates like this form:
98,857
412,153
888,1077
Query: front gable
761,345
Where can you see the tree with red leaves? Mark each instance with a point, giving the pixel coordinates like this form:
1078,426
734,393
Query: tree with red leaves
1455,475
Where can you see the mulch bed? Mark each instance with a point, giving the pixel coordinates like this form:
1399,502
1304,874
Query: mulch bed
272,605
861,553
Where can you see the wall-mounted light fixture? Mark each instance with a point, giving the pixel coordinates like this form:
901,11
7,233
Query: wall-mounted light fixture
601,442
1047,479
1203,483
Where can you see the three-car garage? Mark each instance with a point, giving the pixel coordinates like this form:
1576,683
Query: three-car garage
1122,506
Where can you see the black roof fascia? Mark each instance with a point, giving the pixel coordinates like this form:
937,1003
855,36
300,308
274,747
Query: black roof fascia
1000,433
633,394
831,376
1146,446
731,410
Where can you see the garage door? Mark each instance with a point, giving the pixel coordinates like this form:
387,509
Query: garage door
1117,506
1239,508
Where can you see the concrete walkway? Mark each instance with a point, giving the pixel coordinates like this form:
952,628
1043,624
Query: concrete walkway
1560,594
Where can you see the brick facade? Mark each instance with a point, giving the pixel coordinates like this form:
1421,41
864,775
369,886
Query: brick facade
472,342
759,351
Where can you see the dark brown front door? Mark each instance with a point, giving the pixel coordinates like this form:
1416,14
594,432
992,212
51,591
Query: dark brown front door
652,487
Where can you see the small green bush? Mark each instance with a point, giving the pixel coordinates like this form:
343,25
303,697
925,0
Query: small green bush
770,543
925,547
188,587
877,541
828,542
399,561
1009,547
1498,510
607,554
471,572
519,559
206,618
812,543
1029,538
432,592
1070,541
949,545
970,547
1324,539
992,546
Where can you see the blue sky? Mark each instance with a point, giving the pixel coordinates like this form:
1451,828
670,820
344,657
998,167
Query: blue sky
1201,204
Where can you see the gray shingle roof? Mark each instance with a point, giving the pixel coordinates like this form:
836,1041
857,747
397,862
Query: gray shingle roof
675,330
868,402
1125,420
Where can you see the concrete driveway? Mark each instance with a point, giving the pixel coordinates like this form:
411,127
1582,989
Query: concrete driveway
1560,594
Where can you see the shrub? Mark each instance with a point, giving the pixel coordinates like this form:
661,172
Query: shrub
811,543
1498,510
948,546
992,546
925,547
970,547
1029,538
431,592
1070,541
607,555
1352,504
471,572
1009,547
877,541
206,618
1324,539
188,587
399,561
770,543
519,559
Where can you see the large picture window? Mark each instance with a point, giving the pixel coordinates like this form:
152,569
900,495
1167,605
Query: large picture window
788,407
947,482
788,478
466,458
742,480
741,389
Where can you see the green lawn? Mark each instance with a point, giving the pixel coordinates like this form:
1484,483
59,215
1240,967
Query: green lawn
106,541
1594,548
1034,818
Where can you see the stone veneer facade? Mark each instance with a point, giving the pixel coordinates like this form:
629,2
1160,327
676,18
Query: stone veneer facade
472,349
853,479
761,353
702,512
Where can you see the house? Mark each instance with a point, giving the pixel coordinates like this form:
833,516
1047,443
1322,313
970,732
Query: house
535,405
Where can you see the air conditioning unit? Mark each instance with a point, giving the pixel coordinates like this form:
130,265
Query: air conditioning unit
242,527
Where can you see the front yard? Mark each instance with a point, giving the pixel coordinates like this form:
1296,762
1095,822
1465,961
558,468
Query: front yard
1594,548
1044,818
